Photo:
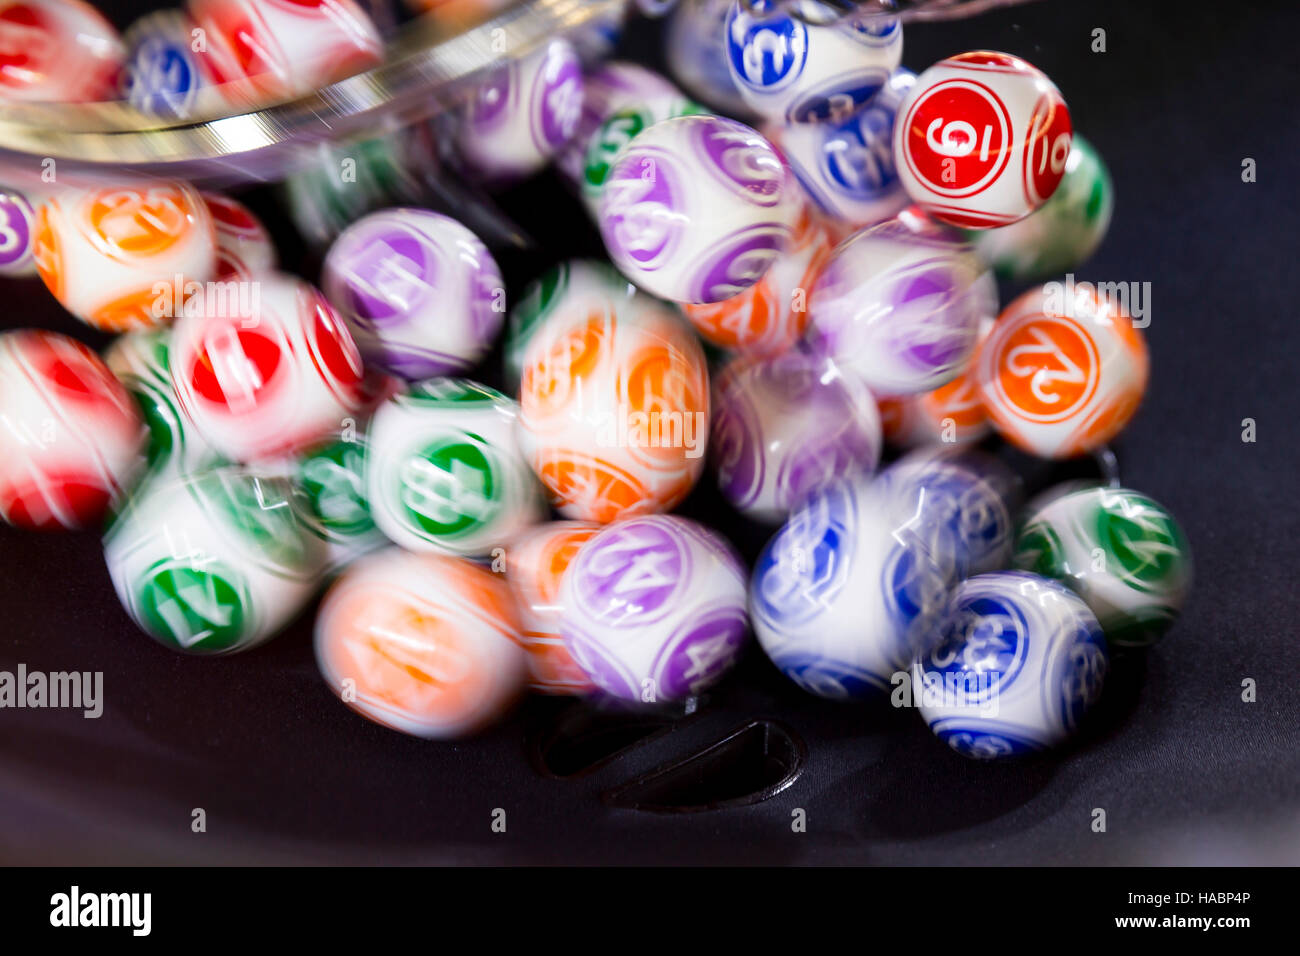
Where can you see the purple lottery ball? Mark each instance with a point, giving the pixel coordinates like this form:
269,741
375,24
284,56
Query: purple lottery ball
655,608
899,305
697,208
421,293
16,221
787,427
522,115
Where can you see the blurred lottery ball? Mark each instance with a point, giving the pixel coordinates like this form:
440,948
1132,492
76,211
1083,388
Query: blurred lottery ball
142,362
1064,232
953,505
522,115
267,370
1119,550
445,472
982,139
787,427
71,439
1063,371
847,166
424,644
697,30
770,316
244,248
211,563
56,51
329,481
1019,660
421,293
535,567
123,258
899,305
614,409
571,288
697,208
839,601
259,51
951,414
606,89
17,228
654,608
162,75
805,61
619,128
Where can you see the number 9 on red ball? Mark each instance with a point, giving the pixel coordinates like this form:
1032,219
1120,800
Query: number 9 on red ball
982,139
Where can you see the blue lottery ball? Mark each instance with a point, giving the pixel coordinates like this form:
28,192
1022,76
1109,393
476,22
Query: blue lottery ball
1018,660
838,602
162,75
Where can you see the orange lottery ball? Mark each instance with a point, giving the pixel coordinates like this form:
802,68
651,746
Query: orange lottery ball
421,643
125,258
535,566
1063,371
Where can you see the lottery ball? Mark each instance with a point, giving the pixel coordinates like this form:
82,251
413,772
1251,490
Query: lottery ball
535,568
654,608
614,409
805,62
267,371
787,427
264,50
425,644
1064,231
211,563
445,472
329,482
571,288
951,414
142,362
696,32
899,305
840,603
697,208
56,51
17,227
607,89
421,293
1018,661
1063,371
244,248
71,439
954,505
770,316
983,139
162,75
522,114
125,258
847,167
1119,550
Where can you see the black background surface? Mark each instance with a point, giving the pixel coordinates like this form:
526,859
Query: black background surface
1186,771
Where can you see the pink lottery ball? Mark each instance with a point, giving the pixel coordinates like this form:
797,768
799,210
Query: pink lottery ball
243,246
57,51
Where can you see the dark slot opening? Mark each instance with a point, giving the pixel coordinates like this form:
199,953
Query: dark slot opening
753,763
582,739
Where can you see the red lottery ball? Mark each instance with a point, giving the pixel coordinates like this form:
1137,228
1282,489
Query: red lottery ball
57,51
982,139
71,438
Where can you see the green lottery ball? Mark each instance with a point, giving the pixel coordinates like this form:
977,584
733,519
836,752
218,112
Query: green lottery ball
212,563
1119,550
445,472
1063,232
330,484
140,360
